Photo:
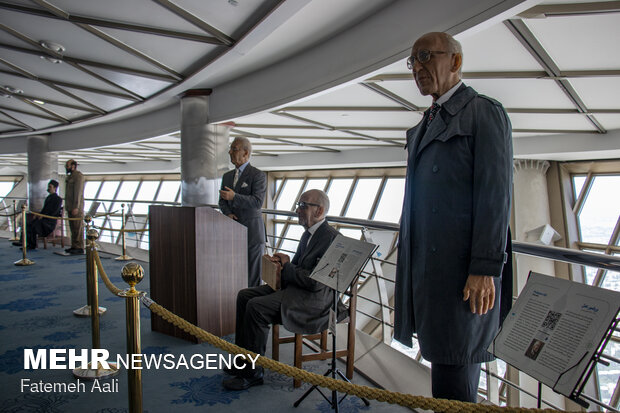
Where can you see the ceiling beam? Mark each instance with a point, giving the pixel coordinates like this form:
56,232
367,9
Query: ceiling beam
25,112
94,21
517,74
196,21
52,86
571,9
520,30
71,85
286,141
391,96
110,39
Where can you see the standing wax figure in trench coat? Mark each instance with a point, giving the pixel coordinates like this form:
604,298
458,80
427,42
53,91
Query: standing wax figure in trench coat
301,305
453,232
243,201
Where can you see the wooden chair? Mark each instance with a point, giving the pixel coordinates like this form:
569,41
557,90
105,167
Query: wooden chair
319,351
57,235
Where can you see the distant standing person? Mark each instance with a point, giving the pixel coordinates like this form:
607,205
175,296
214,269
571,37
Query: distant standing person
74,203
241,198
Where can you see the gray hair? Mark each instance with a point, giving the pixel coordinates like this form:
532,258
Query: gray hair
320,197
245,143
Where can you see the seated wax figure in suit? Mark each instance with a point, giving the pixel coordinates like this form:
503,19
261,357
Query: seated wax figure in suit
36,225
242,199
301,305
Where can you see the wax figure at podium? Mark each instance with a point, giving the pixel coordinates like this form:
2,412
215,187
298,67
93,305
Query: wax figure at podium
301,305
241,197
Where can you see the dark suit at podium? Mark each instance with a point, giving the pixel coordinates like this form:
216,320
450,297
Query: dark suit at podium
246,206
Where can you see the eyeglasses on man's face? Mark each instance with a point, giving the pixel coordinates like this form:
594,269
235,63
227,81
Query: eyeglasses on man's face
304,205
423,56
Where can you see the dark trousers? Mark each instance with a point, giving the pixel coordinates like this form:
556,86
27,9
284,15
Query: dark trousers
455,382
257,309
255,263
34,227
77,231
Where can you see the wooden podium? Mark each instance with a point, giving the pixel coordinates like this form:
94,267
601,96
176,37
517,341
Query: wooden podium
198,263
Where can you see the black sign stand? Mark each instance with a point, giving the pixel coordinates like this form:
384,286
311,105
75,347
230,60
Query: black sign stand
333,370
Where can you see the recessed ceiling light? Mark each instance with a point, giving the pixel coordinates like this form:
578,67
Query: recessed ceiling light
13,90
38,102
56,48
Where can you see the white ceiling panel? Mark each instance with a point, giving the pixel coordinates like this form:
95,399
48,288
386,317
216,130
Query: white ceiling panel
565,122
523,93
609,122
352,95
143,86
267,118
408,90
361,119
580,42
599,93
284,133
495,49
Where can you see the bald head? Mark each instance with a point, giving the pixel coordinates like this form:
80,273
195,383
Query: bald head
312,207
436,61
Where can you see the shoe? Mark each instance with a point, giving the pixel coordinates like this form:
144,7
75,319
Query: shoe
231,371
68,250
243,383
76,251
17,243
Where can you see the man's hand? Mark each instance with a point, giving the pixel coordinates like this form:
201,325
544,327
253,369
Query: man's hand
233,216
227,193
282,258
480,291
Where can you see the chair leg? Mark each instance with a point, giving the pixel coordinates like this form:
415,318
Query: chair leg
275,342
297,357
324,340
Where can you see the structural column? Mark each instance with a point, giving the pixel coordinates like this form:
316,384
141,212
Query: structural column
42,166
204,151
532,225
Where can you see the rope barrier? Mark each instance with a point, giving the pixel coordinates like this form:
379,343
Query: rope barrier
121,230
10,215
402,399
38,214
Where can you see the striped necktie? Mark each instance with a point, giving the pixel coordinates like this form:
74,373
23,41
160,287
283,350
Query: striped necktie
236,178
433,112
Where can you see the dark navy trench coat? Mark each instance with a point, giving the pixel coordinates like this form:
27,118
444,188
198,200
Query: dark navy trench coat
455,216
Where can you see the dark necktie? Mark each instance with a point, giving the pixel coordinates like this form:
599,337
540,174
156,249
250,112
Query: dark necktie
433,112
301,249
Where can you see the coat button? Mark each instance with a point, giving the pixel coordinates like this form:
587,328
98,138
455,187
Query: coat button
434,210
435,168
433,249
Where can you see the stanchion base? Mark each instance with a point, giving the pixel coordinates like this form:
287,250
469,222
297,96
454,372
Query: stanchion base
23,262
13,239
85,311
96,374
124,258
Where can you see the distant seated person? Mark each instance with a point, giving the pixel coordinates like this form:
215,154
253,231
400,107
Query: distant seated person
36,225
301,304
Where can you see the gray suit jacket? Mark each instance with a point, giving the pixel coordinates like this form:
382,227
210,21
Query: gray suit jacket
305,302
246,205
454,222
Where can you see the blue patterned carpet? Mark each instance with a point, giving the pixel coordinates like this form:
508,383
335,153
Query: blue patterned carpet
36,305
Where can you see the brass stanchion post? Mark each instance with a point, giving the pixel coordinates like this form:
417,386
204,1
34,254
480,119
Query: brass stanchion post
94,372
24,261
14,223
84,311
123,257
132,274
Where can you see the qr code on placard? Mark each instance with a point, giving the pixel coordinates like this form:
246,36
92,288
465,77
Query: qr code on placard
551,320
